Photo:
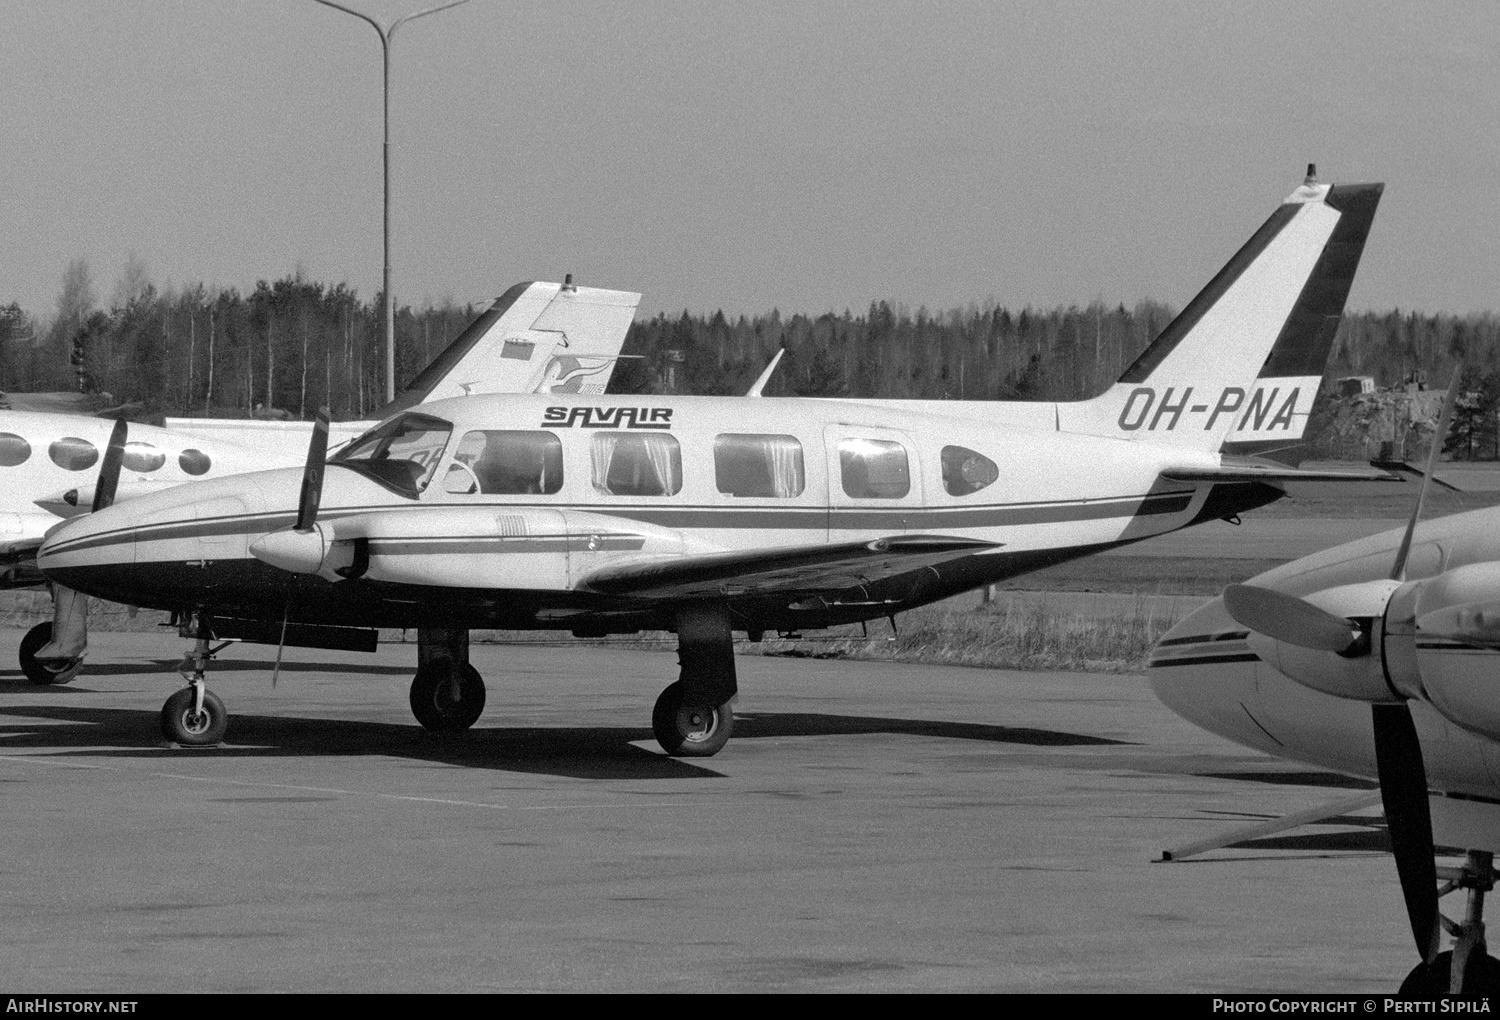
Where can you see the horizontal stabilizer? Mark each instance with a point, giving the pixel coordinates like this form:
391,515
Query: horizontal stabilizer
806,568
1404,468
1254,469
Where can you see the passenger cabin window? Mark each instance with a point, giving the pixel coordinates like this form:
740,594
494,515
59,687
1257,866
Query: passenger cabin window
13,450
966,471
874,469
142,457
637,464
73,454
194,462
758,466
400,454
506,463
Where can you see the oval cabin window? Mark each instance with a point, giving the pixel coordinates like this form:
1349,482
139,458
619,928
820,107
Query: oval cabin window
142,457
73,454
13,450
966,471
194,462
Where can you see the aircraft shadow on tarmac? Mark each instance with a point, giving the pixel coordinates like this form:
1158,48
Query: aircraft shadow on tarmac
573,752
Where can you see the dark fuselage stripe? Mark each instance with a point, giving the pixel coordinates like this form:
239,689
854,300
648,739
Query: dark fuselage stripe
873,519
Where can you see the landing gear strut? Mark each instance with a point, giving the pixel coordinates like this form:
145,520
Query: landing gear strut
1468,968
194,716
447,694
61,642
45,671
693,717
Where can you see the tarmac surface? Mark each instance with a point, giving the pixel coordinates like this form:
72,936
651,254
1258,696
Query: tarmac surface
871,827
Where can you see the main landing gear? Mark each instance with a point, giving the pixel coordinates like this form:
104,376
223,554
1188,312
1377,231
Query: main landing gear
693,717
194,716
52,652
45,671
1478,973
447,694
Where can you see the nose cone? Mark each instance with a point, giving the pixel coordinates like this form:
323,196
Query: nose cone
167,549
1204,670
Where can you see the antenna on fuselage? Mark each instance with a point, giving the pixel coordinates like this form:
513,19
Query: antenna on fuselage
765,376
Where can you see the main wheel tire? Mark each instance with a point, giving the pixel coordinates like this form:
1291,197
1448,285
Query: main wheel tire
1430,981
45,671
447,697
182,724
690,729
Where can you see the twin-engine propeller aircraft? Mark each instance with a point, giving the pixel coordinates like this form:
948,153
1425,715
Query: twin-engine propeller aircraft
535,338
709,515
1379,658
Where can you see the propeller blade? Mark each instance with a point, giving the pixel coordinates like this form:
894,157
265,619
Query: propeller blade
1408,818
1398,569
312,475
1287,618
109,471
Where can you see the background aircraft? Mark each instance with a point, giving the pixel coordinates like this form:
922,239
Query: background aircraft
1376,658
535,338
708,515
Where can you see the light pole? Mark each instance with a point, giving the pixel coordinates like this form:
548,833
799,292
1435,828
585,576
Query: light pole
387,33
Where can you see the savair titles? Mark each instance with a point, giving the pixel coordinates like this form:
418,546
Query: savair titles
1265,410
608,417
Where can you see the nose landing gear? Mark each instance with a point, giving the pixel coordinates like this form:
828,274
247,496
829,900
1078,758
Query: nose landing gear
194,716
1468,969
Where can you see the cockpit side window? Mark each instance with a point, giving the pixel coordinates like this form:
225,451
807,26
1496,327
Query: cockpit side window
637,464
874,469
400,454
506,463
758,466
966,471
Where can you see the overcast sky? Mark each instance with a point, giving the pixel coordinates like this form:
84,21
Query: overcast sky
809,155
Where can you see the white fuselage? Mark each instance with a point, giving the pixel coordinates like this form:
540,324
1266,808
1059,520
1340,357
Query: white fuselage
955,474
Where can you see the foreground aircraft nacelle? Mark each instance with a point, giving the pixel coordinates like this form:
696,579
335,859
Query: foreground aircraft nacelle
1386,641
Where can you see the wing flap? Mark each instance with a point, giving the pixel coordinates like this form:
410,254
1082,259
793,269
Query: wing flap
801,569
1254,469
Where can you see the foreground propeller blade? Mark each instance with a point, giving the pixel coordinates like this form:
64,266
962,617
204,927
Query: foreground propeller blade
1287,618
109,471
1408,818
1398,569
312,475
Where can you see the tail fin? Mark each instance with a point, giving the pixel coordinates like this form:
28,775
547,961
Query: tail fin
535,338
1243,362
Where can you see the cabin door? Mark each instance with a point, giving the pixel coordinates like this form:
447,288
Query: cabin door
874,483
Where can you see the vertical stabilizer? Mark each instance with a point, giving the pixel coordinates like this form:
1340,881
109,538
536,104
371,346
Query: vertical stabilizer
1243,362
535,338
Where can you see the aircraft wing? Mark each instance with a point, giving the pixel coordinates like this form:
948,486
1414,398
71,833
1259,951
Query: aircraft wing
805,568
1233,468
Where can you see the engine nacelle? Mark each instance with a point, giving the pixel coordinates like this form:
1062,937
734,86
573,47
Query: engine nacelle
1355,673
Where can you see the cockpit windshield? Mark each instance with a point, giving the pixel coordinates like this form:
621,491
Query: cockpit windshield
400,454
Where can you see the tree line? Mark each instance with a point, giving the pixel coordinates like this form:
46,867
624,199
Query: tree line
295,344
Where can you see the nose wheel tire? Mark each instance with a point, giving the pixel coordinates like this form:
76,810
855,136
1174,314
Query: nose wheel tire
182,723
688,727
1431,981
447,697
45,671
